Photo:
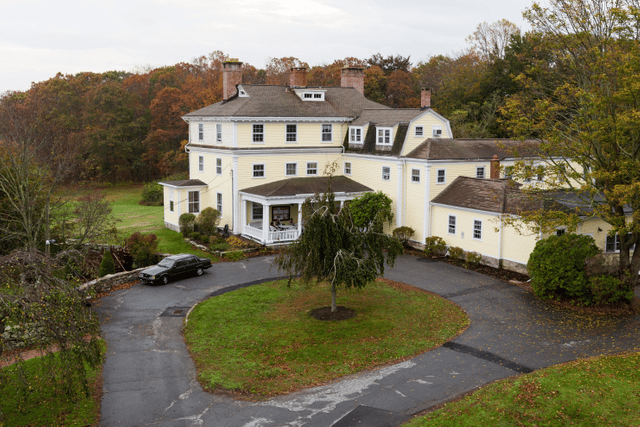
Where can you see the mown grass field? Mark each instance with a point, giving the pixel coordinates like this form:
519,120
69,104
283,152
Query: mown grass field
592,392
261,341
44,404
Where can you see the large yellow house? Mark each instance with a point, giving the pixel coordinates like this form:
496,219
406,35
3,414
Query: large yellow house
257,155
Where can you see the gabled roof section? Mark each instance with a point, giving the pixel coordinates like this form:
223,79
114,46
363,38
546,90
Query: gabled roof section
387,117
469,149
502,196
305,186
281,101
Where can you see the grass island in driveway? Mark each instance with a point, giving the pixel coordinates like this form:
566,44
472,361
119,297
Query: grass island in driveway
261,340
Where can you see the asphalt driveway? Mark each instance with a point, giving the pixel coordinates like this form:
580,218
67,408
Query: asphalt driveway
150,379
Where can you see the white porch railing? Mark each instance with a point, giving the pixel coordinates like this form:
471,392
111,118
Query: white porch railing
279,236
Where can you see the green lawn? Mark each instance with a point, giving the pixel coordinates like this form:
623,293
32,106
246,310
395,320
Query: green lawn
592,392
262,341
44,404
132,217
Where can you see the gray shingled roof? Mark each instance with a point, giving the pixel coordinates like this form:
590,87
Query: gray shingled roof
387,117
280,101
445,149
185,183
303,186
491,195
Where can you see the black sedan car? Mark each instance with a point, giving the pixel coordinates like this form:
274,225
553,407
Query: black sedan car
175,266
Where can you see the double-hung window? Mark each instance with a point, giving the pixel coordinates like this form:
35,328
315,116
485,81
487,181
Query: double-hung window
384,136
256,211
194,202
218,133
312,168
200,131
437,131
441,176
386,173
292,133
355,135
347,168
415,175
419,131
258,133
477,229
291,169
480,172
452,224
218,166
219,202
201,163
258,170
327,133
613,244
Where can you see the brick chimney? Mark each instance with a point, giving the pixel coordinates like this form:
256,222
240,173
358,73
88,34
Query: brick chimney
231,76
425,98
298,77
494,171
353,77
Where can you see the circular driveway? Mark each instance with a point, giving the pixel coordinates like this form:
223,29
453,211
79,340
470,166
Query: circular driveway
150,379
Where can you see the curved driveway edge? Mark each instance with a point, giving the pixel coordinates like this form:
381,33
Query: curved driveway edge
150,379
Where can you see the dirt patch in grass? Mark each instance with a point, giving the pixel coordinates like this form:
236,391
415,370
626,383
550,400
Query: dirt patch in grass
325,313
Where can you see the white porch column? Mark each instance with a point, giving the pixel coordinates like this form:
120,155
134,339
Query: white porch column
400,197
265,223
426,231
243,214
234,200
299,219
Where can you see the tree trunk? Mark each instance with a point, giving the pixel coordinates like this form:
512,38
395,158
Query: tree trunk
334,307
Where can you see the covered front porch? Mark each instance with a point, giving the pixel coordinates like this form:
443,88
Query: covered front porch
272,213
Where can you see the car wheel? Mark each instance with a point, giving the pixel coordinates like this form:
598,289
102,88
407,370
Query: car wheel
165,280
199,271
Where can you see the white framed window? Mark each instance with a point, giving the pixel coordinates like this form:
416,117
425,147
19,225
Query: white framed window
560,231
201,163
386,173
355,135
477,229
327,133
200,131
291,169
218,132
508,172
218,166
259,170
415,175
437,131
194,202
291,133
312,168
418,131
613,244
347,168
219,202
384,136
480,172
258,133
256,211
441,176
451,229
170,205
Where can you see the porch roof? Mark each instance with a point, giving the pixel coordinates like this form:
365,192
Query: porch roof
301,186
184,183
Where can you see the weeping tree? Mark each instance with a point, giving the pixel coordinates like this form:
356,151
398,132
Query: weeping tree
43,310
333,248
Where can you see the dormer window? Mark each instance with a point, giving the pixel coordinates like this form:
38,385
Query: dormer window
242,93
355,135
310,94
384,136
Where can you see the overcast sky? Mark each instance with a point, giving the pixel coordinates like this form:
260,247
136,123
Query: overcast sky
39,38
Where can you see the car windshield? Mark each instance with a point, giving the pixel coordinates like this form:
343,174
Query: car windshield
166,263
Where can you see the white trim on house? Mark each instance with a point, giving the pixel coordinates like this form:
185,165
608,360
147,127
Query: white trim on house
253,170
